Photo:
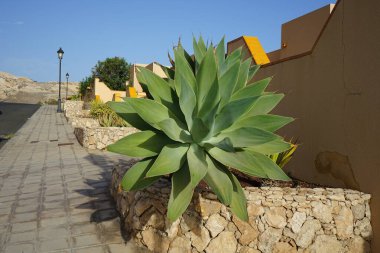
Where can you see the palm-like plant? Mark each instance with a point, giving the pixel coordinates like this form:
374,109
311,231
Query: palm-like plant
204,118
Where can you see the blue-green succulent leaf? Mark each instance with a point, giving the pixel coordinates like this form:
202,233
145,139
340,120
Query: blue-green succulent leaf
170,159
227,82
126,112
252,71
135,177
265,104
267,122
243,75
141,144
244,137
218,179
153,112
272,147
232,112
252,90
238,201
196,158
181,193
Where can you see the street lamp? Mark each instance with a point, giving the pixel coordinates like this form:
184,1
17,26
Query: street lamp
67,83
60,56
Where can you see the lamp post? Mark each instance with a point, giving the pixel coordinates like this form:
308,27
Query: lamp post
60,56
67,84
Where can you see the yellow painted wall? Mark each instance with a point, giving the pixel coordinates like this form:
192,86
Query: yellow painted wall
104,93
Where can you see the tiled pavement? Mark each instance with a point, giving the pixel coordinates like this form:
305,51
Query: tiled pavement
54,194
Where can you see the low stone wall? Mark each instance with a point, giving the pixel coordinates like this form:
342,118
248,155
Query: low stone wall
88,130
83,122
281,220
74,109
101,137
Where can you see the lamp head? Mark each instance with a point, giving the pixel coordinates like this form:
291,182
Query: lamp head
60,53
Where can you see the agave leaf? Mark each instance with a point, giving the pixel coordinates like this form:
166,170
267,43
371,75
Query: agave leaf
272,170
206,77
196,159
170,159
225,144
234,57
267,122
199,130
153,112
227,82
160,91
199,50
272,147
141,144
250,162
181,193
210,106
187,102
168,72
243,75
240,160
158,87
134,179
189,60
218,179
265,104
238,202
252,71
125,111
232,112
252,90
245,137
171,129
220,53
184,71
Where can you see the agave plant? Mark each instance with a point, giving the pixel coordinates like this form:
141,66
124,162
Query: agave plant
205,118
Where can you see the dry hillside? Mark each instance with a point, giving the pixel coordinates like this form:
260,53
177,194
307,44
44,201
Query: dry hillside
16,89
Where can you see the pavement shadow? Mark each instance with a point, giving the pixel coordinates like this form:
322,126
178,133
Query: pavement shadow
98,181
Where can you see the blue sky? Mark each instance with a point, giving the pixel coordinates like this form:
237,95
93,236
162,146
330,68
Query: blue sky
140,31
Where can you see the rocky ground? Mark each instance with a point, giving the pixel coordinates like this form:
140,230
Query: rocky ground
14,89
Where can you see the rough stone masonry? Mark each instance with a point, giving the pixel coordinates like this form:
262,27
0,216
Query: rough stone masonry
281,220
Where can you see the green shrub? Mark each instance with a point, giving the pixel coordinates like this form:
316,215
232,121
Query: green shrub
204,119
85,84
114,72
105,115
282,158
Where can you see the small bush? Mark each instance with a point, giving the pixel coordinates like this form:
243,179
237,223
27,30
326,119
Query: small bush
84,84
105,115
114,72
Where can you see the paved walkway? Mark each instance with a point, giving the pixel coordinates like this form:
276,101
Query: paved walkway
54,194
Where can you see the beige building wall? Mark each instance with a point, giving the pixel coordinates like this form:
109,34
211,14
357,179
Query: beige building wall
133,76
334,94
154,67
106,94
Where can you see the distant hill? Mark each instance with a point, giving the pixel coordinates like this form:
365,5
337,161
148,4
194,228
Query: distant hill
14,89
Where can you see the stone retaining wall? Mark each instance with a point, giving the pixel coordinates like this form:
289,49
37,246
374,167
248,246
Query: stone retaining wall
74,109
88,130
281,220
83,122
101,137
